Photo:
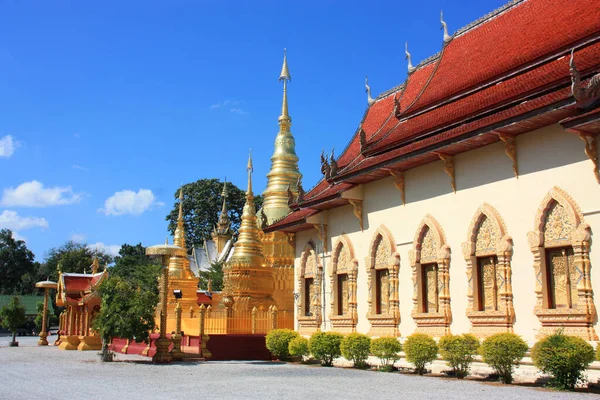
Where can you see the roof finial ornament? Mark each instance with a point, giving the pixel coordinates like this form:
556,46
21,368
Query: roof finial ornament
300,197
444,27
325,169
410,66
333,167
284,119
397,108
363,140
370,100
250,169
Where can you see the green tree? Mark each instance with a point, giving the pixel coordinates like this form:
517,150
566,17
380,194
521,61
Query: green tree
126,312
16,265
215,274
202,203
72,257
133,265
13,317
39,318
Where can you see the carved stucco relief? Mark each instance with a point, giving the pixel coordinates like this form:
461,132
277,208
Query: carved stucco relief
429,247
310,268
344,262
559,223
487,239
383,256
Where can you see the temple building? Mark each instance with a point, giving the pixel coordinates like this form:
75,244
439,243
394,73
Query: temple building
466,198
78,294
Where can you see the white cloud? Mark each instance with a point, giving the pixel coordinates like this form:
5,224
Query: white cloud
7,146
237,110
17,236
112,249
13,221
79,167
226,103
34,194
130,202
78,237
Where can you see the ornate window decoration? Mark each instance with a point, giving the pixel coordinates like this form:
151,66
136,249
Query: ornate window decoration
344,270
560,244
309,286
430,262
382,266
488,252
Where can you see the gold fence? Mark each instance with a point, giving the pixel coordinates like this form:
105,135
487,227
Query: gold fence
227,321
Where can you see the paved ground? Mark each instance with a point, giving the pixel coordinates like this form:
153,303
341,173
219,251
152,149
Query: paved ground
31,372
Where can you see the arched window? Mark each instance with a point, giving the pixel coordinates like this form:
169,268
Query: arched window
488,252
344,269
309,286
430,261
560,245
382,267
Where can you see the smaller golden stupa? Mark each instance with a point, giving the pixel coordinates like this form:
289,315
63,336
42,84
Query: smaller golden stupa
248,280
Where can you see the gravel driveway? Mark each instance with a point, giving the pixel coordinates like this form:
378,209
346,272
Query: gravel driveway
30,372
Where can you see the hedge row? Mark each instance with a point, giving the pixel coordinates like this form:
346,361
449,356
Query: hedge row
564,358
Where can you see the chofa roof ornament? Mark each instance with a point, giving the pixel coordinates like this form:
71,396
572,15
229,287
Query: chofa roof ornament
410,66
370,100
444,27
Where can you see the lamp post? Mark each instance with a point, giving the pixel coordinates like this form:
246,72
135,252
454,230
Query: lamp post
165,252
46,285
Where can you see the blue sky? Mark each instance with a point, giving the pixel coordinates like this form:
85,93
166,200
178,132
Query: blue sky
106,108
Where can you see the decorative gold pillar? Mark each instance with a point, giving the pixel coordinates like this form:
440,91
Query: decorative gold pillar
176,352
165,252
46,285
202,336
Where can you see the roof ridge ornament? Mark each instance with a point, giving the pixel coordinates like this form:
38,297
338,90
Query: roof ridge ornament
444,27
333,166
397,107
370,100
325,168
363,140
410,66
586,95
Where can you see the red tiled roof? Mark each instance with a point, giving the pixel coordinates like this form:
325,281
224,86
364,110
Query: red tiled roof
296,216
511,65
519,35
76,283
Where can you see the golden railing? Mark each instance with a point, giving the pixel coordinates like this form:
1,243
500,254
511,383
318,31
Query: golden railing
227,321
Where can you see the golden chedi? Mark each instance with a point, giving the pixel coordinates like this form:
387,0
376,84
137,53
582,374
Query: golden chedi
248,280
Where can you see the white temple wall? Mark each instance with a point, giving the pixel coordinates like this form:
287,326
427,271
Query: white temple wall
547,157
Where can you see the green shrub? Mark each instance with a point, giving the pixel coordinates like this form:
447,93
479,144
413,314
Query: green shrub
564,358
356,347
386,349
420,350
278,341
598,352
502,352
459,351
298,347
325,346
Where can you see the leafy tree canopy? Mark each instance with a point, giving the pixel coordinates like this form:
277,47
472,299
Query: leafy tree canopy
215,274
13,316
72,257
201,208
135,267
16,265
126,312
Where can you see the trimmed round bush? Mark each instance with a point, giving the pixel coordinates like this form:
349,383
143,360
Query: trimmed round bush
564,358
325,346
298,347
598,352
355,347
386,349
278,341
420,350
502,352
459,351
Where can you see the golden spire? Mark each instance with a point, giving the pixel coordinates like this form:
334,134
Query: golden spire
179,236
222,232
284,162
179,266
248,248
95,265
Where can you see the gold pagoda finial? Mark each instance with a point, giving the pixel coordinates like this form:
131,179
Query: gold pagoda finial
284,120
179,235
95,264
250,169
